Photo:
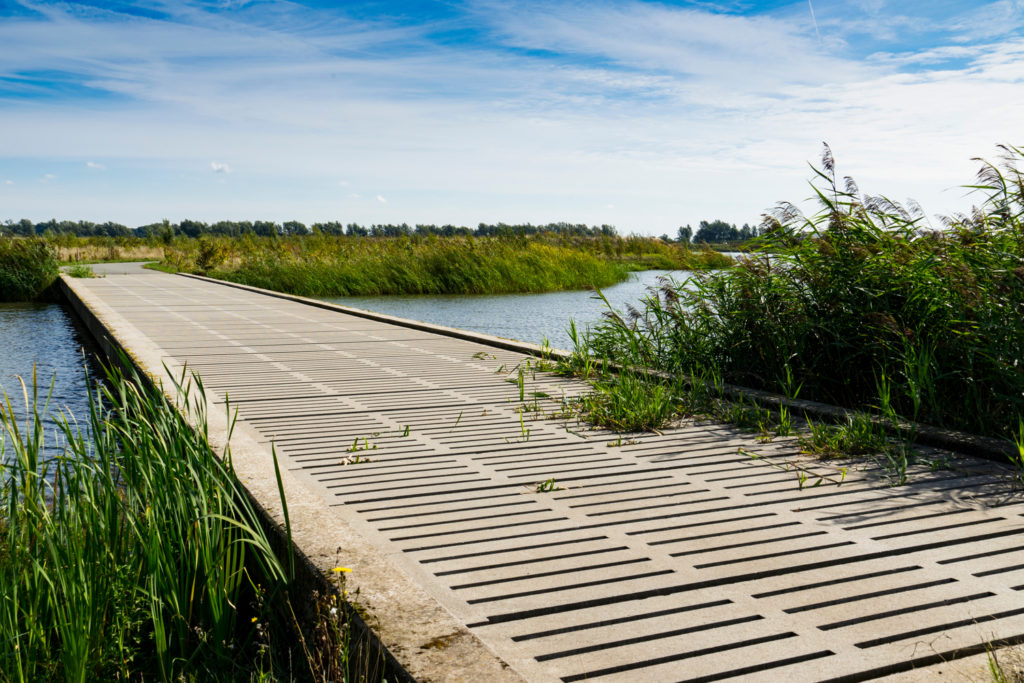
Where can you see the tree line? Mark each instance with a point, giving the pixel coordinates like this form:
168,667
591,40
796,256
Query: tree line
712,232
192,228
717,232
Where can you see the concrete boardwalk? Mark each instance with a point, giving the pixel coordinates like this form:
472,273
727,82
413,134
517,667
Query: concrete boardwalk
665,557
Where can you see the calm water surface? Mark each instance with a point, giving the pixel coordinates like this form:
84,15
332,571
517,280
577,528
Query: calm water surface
527,317
44,335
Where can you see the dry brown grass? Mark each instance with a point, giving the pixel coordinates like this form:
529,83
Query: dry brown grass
91,253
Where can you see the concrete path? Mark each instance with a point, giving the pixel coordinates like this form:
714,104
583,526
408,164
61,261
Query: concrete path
651,557
123,268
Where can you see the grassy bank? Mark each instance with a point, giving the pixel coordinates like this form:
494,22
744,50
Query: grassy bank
136,555
339,266
861,305
27,268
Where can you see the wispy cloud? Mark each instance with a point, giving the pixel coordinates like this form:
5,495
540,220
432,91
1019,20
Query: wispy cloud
95,166
541,113
381,200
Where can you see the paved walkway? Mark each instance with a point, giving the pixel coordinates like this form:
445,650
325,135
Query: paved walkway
673,556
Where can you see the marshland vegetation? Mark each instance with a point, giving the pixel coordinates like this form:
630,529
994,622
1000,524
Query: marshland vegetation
862,304
324,266
335,260
134,553
28,267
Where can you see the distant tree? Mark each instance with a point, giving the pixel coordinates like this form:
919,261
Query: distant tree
24,227
191,228
716,232
684,234
266,228
330,228
294,228
166,231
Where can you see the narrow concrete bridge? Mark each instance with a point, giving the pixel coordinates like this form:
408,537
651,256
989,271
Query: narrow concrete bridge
492,538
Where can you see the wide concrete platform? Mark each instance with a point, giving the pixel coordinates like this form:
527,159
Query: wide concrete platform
493,538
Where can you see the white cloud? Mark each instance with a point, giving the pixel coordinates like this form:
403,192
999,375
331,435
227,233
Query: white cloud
8,182
681,114
96,166
381,200
47,177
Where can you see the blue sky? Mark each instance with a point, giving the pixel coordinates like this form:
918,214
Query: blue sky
639,114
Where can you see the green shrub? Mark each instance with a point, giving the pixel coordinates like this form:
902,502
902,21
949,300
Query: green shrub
27,268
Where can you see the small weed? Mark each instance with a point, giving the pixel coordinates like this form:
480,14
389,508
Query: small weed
547,486
803,476
1010,670
744,414
483,355
859,435
367,446
81,270
524,433
784,427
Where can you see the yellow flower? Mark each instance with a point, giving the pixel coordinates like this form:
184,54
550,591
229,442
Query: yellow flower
255,619
339,570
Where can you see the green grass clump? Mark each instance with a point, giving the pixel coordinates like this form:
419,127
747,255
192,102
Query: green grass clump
81,270
628,403
27,268
859,301
133,554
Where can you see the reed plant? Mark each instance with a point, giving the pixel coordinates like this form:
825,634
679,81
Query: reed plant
27,268
861,293
135,553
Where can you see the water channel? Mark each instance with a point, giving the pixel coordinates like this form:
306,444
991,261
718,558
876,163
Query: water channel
526,317
45,336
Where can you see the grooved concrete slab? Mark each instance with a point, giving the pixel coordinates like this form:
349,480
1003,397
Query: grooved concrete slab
672,556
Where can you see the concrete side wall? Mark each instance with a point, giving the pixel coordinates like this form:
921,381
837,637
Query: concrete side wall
400,632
